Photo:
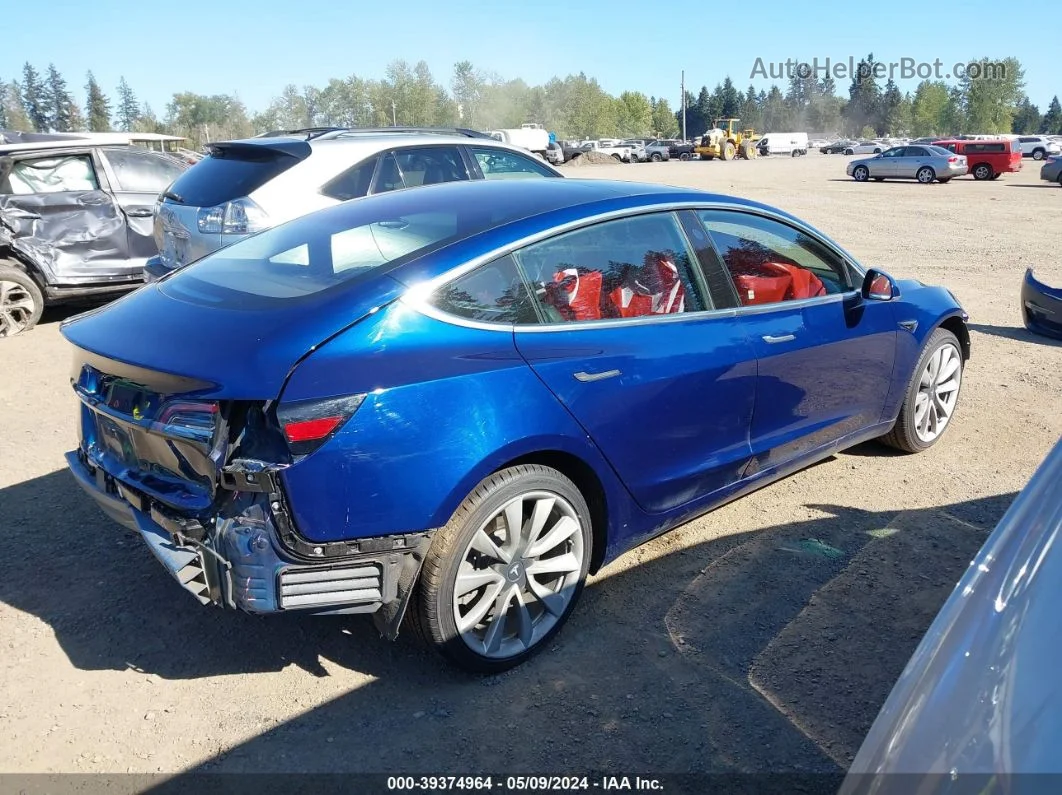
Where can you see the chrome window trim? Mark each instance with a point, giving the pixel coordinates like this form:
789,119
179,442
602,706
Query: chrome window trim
417,297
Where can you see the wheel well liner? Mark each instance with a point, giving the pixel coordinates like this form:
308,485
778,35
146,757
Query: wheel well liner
957,326
589,485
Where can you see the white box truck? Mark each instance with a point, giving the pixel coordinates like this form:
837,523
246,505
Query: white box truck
794,144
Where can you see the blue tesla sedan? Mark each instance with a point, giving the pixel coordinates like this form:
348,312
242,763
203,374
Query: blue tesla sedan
448,405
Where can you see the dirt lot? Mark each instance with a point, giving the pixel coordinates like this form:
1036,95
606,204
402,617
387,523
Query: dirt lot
724,645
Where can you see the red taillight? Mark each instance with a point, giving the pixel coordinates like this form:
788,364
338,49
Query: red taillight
311,430
953,159
308,424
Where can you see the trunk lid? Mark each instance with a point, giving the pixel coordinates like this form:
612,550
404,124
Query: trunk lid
166,385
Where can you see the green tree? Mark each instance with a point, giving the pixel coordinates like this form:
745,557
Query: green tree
663,119
864,97
928,108
97,106
128,110
13,107
1027,119
467,87
34,100
953,117
991,98
58,101
1051,124
891,101
3,105
634,114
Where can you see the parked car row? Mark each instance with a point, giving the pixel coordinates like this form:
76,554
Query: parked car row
983,158
85,221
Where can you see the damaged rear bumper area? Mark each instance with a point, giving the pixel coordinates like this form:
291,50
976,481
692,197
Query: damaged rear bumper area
239,561
1041,307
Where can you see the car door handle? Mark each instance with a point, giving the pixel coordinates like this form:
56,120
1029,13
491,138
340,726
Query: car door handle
782,338
581,376
142,212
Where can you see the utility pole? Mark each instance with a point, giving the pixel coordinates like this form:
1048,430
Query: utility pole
684,105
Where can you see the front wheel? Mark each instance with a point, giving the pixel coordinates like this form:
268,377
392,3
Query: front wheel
925,175
21,301
931,396
505,573
860,173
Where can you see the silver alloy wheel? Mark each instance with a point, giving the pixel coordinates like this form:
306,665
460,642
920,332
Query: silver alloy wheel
860,173
16,308
938,391
518,575
925,175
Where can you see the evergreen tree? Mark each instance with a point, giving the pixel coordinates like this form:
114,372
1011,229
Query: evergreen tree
3,105
128,112
1051,124
57,101
97,106
33,98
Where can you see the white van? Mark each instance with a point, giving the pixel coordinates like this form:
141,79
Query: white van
794,144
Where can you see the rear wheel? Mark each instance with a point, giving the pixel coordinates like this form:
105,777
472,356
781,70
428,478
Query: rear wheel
656,158
1038,154
21,300
925,175
931,396
505,573
849,151
617,158
684,156
982,171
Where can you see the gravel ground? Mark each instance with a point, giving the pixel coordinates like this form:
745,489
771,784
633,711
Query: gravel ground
721,646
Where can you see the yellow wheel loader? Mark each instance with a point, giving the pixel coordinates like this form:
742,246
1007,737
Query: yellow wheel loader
727,141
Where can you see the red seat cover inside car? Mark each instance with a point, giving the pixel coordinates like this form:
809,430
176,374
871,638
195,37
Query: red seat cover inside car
769,282
577,296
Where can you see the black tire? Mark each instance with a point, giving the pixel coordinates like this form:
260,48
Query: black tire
617,158
684,156
432,609
903,435
21,300
982,171
997,175
944,180
879,179
1038,154
925,175
1060,180
860,173
656,158
849,151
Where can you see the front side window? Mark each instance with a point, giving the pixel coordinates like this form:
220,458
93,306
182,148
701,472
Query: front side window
53,175
493,293
631,267
771,262
897,152
503,164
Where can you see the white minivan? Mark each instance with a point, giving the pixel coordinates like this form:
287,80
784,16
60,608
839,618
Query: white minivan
793,144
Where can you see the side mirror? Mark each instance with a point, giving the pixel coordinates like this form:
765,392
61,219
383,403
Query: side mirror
879,286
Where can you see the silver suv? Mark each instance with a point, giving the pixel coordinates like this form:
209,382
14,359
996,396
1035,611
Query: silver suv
247,186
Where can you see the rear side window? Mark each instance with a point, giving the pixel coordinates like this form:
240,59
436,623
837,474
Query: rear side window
502,164
230,174
493,293
352,183
142,172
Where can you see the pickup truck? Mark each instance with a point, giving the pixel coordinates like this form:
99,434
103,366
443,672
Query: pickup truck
621,153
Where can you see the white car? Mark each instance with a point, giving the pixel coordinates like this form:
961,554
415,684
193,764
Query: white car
244,187
866,148
1038,146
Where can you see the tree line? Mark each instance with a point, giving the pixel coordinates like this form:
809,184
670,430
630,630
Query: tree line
575,106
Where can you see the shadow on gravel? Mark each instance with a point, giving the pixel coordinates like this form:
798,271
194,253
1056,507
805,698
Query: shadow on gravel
1019,333
765,651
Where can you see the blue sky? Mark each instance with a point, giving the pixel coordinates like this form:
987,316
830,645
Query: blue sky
255,48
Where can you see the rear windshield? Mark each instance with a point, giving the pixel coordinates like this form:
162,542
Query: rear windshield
338,245
228,175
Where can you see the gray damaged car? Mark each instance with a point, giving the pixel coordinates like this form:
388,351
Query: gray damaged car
76,221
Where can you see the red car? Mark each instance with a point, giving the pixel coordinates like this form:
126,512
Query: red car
987,159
